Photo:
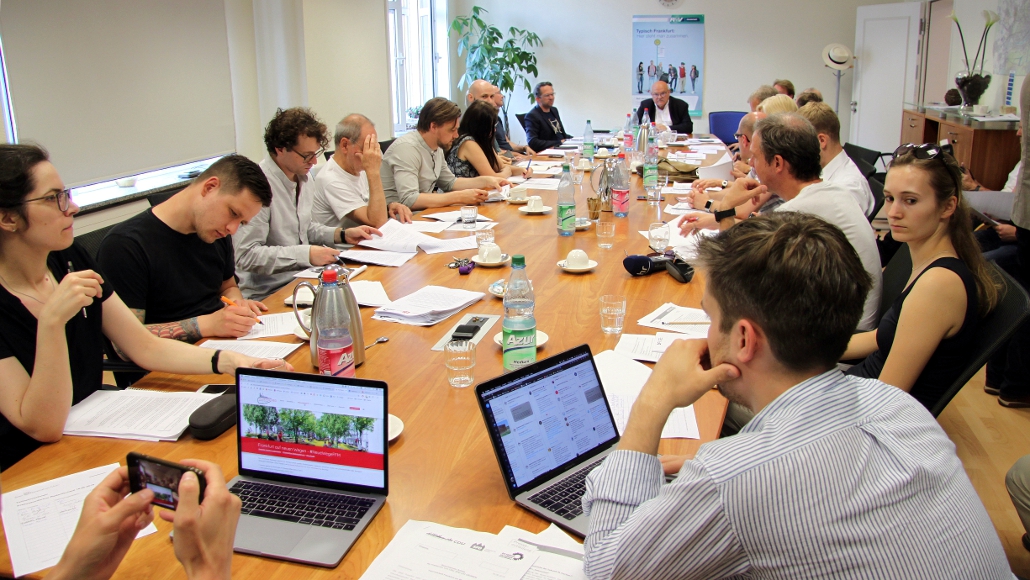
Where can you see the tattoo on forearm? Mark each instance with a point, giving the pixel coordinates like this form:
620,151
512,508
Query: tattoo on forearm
185,330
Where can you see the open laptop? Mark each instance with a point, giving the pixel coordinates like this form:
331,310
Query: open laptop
550,424
313,463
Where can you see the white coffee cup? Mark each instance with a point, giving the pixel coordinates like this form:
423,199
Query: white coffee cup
518,193
584,163
603,151
577,259
535,203
489,252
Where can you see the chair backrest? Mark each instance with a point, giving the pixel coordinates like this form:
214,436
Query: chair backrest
867,169
994,331
723,124
384,145
522,120
868,155
895,276
328,154
876,186
91,241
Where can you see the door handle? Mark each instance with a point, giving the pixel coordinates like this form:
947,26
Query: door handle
854,106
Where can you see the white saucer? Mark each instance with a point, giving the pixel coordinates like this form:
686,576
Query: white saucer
396,427
480,262
602,156
544,209
590,266
518,201
583,224
541,338
496,289
299,333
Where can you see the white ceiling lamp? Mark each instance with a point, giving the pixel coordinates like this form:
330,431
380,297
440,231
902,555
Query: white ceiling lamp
839,58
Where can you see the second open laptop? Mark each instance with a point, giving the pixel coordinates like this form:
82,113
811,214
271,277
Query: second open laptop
312,463
550,424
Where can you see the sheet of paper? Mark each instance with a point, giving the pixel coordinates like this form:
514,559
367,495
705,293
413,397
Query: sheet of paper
368,293
313,273
623,378
546,171
396,238
516,179
134,414
996,204
378,257
272,325
677,209
646,347
438,246
427,227
498,194
39,520
428,305
543,183
552,152
254,348
670,317
552,563
452,216
429,551
458,227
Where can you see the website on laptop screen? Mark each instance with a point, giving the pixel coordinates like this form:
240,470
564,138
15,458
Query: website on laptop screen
311,429
547,419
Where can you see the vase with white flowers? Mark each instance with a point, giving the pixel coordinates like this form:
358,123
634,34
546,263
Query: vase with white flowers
972,82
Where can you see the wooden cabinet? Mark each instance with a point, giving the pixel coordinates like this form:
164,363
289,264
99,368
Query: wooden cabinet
989,151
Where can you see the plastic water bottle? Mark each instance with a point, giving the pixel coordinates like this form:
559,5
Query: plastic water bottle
620,188
518,330
588,142
628,131
566,203
335,346
651,164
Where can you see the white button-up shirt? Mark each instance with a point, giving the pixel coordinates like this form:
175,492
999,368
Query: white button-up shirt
842,171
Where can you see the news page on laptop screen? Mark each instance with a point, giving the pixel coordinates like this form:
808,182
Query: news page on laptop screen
310,429
546,419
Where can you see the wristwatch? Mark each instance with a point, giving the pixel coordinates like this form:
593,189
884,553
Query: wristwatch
725,184
708,205
725,214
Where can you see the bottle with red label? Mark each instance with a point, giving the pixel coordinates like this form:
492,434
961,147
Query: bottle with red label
335,345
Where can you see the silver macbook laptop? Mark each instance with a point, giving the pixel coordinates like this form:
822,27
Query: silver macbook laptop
313,463
550,424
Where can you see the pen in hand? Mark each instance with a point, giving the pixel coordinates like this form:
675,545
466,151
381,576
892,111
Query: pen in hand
70,270
231,303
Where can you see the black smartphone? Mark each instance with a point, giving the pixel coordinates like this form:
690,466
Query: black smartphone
216,389
161,477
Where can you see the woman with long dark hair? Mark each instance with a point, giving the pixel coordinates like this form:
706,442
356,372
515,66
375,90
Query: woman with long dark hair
472,153
924,339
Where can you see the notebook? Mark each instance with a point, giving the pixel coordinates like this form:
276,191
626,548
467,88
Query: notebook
312,454
550,424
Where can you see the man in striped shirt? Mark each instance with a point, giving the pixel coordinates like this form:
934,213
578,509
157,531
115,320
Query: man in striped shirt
835,477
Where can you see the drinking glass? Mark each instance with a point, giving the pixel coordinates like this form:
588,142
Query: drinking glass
613,313
576,171
461,362
484,236
605,234
654,194
469,215
658,237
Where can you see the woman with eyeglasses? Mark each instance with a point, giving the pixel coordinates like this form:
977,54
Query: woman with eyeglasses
923,340
55,307
472,153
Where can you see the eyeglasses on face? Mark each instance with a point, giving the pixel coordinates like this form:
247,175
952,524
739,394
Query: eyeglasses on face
63,199
656,95
308,157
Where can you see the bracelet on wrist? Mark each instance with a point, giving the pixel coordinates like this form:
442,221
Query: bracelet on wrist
214,362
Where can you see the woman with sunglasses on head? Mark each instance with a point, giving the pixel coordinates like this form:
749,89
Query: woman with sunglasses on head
54,307
923,340
472,153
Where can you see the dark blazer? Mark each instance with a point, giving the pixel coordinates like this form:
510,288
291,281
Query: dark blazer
540,134
679,110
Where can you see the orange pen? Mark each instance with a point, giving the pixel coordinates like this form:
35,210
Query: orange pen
231,303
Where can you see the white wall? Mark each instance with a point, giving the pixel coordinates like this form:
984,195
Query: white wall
747,43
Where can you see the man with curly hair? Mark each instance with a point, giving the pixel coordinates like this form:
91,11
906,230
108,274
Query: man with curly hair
282,238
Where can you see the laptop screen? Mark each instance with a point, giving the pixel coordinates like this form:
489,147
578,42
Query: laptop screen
313,430
542,418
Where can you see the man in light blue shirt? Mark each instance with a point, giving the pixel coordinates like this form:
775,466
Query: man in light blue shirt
835,477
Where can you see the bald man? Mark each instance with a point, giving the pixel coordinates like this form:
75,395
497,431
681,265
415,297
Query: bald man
480,90
665,110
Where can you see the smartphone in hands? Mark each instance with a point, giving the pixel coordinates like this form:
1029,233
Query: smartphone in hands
161,477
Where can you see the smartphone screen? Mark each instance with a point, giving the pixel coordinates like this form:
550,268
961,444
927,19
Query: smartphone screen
159,476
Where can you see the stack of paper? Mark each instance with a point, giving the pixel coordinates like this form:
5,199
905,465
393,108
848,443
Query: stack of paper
378,258
623,378
254,348
405,240
366,292
39,519
134,414
272,325
427,306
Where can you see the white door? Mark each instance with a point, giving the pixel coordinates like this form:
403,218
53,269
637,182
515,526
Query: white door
887,41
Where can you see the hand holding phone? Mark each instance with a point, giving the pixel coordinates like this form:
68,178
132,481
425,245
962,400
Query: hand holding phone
160,477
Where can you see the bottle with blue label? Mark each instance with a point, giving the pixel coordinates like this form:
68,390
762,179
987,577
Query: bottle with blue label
566,203
588,142
518,330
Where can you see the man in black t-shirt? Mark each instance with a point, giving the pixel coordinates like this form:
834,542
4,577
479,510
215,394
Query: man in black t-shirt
543,124
173,263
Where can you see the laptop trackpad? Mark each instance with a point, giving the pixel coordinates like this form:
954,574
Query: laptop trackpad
267,536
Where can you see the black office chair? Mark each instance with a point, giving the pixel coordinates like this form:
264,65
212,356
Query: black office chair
328,154
521,117
384,145
91,241
895,276
161,197
994,330
865,167
877,189
856,152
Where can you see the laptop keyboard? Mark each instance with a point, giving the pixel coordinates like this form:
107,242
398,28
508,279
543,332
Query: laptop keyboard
565,497
302,506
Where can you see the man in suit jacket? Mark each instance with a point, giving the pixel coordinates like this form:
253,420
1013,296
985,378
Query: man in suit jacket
666,111
543,125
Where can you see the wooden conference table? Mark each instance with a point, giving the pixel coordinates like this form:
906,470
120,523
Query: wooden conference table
442,468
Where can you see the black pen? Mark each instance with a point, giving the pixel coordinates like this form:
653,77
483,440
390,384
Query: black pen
70,270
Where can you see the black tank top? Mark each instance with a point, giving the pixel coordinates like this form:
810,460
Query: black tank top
952,354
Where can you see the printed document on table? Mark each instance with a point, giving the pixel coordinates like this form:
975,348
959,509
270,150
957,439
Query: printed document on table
646,347
554,562
39,520
254,348
370,293
396,238
458,226
427,227
272,325
692,322
134,414
438,246
498,194
543,183
623,378
378,257
452,216
429,551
